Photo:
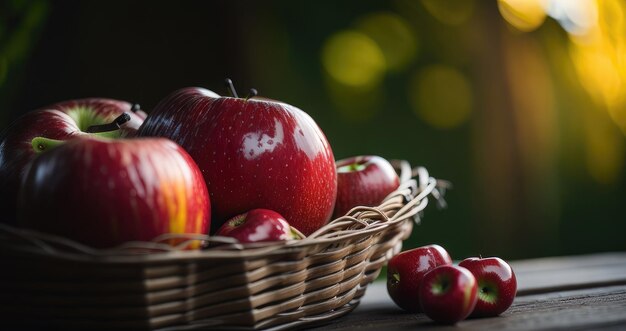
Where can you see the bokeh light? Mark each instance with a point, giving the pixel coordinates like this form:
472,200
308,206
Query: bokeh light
354,59
599,56
394,37
451,12
605,150
524,15
575,16
441,96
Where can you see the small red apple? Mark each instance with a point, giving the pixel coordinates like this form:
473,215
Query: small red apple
363,181
497,285
104,192
257,225
253,153
448,294
62,121
406,270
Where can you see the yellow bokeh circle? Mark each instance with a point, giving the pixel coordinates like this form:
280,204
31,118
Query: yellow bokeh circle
393,35
354,59
524,15
441,96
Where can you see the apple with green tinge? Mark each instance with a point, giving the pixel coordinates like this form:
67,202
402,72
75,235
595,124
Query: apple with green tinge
60,121
103,192
497,285
447,294
406,270
253,153
257,225
363,181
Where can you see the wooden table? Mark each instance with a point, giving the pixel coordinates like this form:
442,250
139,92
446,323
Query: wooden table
574,293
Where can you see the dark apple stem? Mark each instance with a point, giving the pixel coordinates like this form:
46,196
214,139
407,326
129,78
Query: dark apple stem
253,93
135,107
115,125
231,88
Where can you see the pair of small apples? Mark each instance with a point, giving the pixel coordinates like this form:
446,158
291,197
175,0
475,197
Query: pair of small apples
424,280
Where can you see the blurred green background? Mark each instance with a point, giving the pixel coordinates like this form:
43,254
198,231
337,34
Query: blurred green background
521,104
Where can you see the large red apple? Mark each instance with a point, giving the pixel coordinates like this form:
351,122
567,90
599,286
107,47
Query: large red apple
448,294
61,121
497,284
253,153
363,181
104,192
406,270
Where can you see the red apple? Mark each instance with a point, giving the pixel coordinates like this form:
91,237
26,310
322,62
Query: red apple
104,192
448,294
363,181
253,153
497,284
61,121
257,225
406,270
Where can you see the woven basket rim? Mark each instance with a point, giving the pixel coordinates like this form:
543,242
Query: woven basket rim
408,201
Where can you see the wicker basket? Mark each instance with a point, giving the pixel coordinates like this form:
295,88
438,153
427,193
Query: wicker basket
49,281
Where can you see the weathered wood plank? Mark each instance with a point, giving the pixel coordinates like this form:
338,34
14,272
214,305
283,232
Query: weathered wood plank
572,272
569,262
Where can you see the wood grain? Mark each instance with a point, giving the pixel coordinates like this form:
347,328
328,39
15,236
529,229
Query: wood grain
572,272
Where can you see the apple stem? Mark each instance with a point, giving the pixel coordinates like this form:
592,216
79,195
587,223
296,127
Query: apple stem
115,125
135,107
41,144
231,88
253,93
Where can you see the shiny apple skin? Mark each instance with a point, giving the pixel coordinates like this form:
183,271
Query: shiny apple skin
104,192
253,154
497,285
257,225
406,270
456,301
365,187
50,122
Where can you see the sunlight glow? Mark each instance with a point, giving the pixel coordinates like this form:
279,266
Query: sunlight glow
524,15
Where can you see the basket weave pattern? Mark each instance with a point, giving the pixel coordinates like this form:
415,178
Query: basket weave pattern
50,281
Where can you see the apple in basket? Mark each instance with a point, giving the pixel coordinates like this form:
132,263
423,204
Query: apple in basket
363,181
258,225
58,121
103,192
253,153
